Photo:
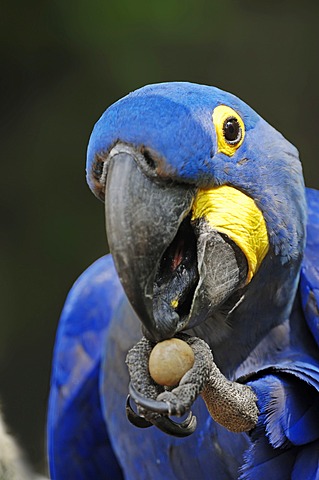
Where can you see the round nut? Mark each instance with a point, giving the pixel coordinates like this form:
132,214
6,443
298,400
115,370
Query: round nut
169,361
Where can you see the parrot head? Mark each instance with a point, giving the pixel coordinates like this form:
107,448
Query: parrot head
205,211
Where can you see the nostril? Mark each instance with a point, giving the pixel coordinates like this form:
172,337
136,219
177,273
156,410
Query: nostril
149,162
149,159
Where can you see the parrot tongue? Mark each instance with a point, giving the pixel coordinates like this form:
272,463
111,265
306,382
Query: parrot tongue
176,280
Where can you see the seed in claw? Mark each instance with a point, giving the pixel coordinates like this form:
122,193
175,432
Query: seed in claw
169,361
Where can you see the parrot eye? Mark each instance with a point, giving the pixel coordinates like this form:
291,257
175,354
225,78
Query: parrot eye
232,130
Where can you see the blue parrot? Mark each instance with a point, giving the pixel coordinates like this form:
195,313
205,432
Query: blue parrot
207,218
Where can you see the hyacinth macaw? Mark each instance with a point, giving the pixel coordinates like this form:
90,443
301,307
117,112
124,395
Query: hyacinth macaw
206,215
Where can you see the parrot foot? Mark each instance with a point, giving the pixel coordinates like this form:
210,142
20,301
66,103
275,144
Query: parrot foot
167,425
155,403
231,404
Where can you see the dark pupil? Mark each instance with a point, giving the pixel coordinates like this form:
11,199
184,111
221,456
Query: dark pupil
232,130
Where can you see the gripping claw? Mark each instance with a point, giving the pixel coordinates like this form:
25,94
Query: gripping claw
158,417
133,417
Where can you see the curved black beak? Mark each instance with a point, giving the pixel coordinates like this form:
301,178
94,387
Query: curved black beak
143,215
174,271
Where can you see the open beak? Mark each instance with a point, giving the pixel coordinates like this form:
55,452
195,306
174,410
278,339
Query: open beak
174,268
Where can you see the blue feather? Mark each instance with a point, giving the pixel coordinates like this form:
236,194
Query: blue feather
307,463
78,442
288,410
309,277
262,462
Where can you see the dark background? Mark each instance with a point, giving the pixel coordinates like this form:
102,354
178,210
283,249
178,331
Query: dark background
62,63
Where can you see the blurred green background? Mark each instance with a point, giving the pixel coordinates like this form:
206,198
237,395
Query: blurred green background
63,62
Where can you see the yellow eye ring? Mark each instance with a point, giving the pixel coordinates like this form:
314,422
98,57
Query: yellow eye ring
230,129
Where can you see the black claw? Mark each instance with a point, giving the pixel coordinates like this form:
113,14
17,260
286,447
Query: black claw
183,429
134,418
148,403
160,420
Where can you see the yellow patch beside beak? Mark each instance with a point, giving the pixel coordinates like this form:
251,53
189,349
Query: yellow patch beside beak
230,211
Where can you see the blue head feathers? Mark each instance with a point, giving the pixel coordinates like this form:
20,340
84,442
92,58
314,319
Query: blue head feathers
174,122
